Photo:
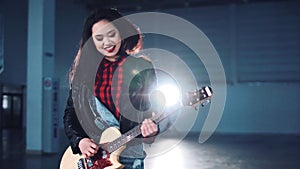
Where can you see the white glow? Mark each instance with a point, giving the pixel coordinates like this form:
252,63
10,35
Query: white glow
171,93
5,102
171,159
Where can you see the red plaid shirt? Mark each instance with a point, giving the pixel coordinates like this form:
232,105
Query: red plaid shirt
103,84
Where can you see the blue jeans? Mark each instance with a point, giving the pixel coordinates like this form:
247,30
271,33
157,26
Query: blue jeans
132,163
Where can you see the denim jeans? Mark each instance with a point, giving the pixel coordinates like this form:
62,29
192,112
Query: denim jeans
132,163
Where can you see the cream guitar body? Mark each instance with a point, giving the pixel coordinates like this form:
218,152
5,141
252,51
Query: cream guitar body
74,161
112,142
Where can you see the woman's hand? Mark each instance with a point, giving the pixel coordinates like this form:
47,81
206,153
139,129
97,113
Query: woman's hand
88,147
148,128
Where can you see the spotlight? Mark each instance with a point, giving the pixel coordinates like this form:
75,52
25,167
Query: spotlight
171,93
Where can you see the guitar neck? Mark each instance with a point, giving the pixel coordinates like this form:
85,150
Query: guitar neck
125,138
198,96
131,134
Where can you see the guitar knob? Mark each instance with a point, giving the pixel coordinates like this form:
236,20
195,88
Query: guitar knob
80,164
89,162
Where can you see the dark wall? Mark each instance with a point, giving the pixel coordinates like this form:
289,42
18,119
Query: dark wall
15,41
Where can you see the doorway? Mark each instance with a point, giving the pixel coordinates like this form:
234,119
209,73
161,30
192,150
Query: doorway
11,119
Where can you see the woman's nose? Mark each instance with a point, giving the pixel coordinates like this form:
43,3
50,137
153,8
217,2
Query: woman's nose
106,41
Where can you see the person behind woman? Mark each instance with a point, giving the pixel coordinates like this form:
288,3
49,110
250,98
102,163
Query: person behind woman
111,41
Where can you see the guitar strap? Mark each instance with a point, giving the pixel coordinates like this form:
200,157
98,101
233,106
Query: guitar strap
103,117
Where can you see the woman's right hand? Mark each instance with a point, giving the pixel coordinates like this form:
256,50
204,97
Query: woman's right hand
88,147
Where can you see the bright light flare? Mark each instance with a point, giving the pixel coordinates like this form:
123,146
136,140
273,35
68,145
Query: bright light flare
171,93
173,158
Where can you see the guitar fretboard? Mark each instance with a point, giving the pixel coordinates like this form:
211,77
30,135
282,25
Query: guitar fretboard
196,97
125,138
131,134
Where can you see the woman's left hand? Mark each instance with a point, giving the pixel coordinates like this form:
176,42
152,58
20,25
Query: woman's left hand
148,128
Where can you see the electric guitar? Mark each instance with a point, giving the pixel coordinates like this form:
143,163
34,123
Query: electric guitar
112,142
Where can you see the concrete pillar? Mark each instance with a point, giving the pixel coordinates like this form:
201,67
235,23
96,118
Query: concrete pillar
40,131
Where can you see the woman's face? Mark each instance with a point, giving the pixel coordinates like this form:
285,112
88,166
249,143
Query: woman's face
107,39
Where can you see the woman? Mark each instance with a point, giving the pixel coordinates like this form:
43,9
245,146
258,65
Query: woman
116,39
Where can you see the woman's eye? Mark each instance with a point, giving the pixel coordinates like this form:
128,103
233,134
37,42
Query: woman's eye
112,34
99,38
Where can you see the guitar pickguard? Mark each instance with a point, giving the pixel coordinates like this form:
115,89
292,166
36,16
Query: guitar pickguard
99,161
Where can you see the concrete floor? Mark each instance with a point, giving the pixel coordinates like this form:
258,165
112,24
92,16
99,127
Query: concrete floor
219,152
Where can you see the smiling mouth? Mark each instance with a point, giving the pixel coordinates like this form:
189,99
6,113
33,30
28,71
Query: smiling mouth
110,49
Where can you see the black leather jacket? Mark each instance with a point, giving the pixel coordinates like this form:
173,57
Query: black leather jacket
139,85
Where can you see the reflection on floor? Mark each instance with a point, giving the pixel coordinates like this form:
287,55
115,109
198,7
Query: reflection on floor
219,152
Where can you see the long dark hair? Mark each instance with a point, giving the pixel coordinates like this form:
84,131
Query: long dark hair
130,34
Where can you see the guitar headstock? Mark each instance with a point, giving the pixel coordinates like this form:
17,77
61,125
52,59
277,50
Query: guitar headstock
201,96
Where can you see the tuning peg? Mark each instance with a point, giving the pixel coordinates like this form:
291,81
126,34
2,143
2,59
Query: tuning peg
205,103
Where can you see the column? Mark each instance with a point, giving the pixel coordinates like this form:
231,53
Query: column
40,132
